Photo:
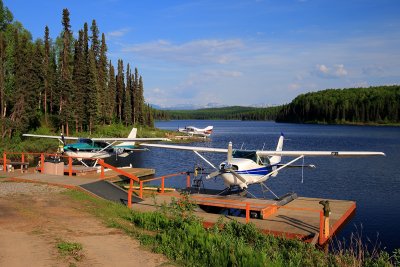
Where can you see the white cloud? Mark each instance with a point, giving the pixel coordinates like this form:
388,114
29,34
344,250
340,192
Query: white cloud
294,86
118,33
372,70
194,52
340,70
323,69
336,71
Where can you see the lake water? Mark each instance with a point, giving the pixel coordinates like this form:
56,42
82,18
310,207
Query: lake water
374,182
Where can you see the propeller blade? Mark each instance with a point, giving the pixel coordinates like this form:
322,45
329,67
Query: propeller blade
229,158
213,174
62,139
238,176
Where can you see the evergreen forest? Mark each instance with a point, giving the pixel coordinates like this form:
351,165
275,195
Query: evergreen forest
225,113
373,105
64,83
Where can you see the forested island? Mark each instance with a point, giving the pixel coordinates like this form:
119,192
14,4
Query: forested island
373,105
64,83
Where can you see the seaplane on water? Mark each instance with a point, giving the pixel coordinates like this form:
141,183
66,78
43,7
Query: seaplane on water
98,148
245,167
191,131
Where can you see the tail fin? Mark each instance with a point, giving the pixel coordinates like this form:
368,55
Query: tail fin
132,134
277,159
208,130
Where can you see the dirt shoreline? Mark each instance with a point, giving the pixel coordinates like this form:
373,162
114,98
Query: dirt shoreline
35,218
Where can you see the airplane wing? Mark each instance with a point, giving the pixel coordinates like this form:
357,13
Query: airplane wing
51,136
263,153
99,139
110,139
191,148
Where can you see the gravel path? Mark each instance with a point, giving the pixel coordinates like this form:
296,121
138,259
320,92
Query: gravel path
34,218
11,188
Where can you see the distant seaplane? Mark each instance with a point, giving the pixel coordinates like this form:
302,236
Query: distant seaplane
192,131
245,167
98,148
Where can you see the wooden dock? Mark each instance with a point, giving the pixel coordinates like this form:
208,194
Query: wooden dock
300,218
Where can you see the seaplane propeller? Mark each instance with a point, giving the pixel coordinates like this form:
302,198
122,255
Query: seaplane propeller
226,168
64,143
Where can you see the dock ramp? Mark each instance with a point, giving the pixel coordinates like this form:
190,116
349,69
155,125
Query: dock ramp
109,191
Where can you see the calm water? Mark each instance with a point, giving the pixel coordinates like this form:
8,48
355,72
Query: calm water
374,183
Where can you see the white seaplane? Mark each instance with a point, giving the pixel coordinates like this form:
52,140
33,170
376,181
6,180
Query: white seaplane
245,167
191,131
98,148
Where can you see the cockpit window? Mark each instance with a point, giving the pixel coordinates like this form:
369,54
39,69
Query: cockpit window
246,154
85,141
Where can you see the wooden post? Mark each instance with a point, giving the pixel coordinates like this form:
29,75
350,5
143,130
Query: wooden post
22,157
247,212
326,227
69,166
162,184
187,180
141,189
41,163
321,228
4,161
130,193
101,161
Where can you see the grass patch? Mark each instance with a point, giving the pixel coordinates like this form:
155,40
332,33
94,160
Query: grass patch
175,232
70,249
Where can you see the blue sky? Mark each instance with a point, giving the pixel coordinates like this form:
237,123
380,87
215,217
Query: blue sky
237,52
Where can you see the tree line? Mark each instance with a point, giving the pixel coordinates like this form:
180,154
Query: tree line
373,105
380,104
67,83
224,113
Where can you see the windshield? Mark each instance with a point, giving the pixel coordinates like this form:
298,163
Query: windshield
245,154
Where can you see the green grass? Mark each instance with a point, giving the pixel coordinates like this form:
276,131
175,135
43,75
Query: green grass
70,249
175,232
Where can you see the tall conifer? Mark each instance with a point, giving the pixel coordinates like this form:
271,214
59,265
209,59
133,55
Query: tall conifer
111,93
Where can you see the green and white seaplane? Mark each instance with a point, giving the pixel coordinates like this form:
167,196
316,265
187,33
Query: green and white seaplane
98,148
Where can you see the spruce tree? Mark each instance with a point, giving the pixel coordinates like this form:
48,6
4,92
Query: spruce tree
46,70
103,79
65,107
92,102
95,42
79,80
127,98
2,78
111,94
140,100
120,90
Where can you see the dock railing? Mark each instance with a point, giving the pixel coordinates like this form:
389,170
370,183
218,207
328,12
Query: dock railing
41,156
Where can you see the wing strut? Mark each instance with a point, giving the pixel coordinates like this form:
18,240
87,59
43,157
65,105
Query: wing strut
203,158
280,168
